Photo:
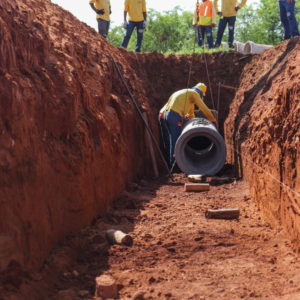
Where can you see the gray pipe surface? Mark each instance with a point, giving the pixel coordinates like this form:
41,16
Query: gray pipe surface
200,149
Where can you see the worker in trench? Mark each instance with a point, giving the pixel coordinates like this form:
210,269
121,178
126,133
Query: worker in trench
179,108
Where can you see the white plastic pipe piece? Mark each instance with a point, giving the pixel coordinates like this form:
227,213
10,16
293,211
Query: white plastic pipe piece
239,47
253,48
200,149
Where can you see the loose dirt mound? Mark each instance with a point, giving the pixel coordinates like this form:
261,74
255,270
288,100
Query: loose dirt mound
263,127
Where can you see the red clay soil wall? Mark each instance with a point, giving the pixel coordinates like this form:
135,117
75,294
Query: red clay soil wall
264,127
70,138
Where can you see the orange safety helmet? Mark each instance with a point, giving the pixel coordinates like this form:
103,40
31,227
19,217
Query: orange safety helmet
202,87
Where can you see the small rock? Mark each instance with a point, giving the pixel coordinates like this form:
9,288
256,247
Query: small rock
67,295
67,274
83,293
75,273
139,296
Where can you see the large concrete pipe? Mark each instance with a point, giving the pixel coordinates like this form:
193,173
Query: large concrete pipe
200,149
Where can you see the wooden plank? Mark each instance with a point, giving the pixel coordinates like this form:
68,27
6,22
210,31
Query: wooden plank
196,178
196,187
223,213
151,148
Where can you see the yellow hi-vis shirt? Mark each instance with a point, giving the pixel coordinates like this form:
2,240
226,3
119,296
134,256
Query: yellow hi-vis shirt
135,10
205,13
102,4
228,7
183,102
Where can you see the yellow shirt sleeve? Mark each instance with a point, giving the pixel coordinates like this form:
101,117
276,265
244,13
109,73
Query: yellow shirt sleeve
144,6
126,8
208,114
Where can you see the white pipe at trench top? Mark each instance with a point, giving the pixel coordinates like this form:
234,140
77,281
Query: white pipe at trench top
253,48
200,149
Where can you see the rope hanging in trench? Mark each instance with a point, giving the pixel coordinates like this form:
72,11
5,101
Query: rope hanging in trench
142,117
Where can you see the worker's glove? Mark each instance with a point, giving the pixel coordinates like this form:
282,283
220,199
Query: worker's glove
125,25
100,11
145,24
220,13
213,25
236,8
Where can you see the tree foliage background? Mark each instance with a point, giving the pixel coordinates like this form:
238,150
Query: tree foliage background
172,31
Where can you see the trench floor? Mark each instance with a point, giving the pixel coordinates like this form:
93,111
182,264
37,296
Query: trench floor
177,252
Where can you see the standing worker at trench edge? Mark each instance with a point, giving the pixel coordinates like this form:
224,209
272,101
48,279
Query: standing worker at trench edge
228,12
137,13
204,21
180,107
287,18
103,9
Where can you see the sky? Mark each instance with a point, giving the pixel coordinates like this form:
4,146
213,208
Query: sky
81,9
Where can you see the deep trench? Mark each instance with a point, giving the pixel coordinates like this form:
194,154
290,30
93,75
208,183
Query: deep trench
69,130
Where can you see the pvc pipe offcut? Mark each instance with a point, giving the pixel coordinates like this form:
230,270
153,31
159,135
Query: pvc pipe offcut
200,149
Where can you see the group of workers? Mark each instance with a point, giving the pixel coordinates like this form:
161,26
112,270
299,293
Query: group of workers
204,19
137,18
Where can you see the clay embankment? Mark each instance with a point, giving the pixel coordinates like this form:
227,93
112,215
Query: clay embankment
263,125
70,139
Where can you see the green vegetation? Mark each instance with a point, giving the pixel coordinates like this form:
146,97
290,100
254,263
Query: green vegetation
172,31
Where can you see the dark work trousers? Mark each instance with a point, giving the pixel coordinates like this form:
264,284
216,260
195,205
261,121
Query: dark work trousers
287,18
221,27
174,123
103,27
139,31
201,32
165,137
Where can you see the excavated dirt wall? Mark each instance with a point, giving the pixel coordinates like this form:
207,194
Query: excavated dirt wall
70,138
263,129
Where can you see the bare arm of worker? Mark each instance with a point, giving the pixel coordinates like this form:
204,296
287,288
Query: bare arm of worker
214,15
196,16
216,8
93,7
144,10
208,114
241,5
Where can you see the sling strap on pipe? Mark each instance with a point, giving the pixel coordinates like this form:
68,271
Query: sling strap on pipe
142,117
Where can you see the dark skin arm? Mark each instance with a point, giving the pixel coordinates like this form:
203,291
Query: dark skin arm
100,11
